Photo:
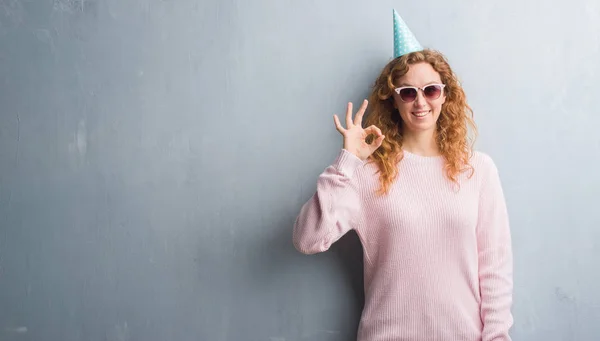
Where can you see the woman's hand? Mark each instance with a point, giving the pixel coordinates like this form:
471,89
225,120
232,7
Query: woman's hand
355,137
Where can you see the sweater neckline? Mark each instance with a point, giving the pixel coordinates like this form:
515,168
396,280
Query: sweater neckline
413,156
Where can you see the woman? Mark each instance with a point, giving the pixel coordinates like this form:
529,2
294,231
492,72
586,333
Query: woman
429,211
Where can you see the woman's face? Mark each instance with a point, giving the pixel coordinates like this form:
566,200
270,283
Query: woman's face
420,109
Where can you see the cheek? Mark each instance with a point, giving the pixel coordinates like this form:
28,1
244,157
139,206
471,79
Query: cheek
401,106
438,105
405,109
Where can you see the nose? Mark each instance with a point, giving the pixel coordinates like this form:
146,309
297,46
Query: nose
420,100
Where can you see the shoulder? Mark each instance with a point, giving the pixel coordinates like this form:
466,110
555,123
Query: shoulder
483,163
481,158
486,170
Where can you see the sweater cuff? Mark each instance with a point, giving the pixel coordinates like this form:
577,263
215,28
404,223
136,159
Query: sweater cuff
346,163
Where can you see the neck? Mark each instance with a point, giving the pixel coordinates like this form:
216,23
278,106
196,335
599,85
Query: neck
421,143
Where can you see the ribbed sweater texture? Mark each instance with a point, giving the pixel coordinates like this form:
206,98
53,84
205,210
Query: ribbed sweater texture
437,254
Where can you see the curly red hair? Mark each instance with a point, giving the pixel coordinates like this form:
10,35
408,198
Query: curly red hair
452,133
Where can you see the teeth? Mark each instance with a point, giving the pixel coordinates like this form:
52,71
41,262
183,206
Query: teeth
421,114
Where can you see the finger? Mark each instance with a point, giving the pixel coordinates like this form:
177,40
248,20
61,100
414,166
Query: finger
377,143
349,123
360,113
338,125
373,130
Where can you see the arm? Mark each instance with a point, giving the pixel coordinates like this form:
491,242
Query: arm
495,258
332,210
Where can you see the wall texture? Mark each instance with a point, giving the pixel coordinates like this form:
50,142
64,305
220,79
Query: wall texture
154,155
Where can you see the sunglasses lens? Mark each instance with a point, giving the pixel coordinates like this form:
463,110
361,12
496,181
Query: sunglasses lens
432,91
408,95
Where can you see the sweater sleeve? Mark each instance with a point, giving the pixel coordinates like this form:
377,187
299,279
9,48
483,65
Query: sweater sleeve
495,258
333,210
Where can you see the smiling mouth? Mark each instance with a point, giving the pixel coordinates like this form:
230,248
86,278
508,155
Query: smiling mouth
421,113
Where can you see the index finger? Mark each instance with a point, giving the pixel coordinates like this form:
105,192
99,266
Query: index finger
373,129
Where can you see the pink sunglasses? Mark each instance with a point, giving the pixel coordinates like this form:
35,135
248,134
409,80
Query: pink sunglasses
409,93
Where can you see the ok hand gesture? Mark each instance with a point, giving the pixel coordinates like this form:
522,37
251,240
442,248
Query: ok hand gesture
355,137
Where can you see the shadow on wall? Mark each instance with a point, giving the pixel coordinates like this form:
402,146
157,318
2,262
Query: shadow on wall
263,264
350,254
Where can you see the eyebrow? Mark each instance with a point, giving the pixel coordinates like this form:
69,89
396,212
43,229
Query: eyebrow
428,83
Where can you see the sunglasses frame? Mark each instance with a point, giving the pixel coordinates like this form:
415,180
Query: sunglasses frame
442,86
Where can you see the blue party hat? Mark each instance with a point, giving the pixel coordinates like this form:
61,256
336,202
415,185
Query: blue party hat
404,40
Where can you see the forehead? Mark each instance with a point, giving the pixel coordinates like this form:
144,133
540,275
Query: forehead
419,75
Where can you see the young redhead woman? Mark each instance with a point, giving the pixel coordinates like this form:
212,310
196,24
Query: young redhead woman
428,209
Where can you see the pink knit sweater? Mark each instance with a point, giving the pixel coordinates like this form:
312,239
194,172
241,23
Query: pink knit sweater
437,258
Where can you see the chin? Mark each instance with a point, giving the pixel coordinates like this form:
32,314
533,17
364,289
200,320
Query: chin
421,126
422,129
423,123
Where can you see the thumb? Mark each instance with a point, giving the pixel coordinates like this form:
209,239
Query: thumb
377,143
